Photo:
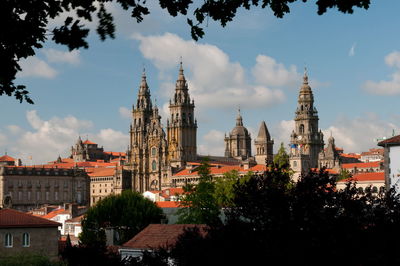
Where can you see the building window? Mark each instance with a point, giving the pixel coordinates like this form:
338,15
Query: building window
154,165
8,240
301,129
47,195
37,195
55,195
26,240
153,151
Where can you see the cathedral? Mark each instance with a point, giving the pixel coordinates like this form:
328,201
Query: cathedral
154,155
307,140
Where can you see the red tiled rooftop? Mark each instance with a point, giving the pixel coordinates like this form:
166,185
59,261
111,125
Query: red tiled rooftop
88,142
361,165
6,158
12,218
391,141
167,204
160,235
114,153
378,176
54,213
102,172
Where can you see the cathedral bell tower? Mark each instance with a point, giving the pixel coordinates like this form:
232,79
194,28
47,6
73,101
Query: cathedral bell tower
306,139
181,126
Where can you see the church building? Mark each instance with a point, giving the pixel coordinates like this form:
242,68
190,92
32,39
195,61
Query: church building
306,140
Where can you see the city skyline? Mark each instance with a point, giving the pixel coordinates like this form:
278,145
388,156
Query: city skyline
256,62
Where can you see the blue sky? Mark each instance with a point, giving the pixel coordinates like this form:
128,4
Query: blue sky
256,62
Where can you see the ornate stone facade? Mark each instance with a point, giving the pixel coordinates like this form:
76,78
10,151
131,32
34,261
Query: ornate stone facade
306,140
330,157
182,125
238,143
153,155
148,150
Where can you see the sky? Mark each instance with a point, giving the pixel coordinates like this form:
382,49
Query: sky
256,63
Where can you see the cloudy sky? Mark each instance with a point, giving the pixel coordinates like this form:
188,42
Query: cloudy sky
256,62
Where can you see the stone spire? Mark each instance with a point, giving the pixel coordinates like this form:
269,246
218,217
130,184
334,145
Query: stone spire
263,133
239,120
144,100
264,145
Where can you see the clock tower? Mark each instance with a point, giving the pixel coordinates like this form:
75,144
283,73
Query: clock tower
306,141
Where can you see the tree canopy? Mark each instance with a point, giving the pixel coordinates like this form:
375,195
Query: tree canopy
127,213
307,223
25,24
281,159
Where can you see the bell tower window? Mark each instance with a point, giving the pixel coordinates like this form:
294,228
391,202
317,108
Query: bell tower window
301,129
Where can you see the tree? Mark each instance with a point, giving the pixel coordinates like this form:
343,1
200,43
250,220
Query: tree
344,174
127,213
281,159
198,204
309,223
25,24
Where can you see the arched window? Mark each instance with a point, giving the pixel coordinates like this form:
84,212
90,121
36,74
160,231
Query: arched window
154,165
301,129
294,163
8,240
153,151
26,240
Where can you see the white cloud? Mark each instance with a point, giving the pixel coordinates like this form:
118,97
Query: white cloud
387,87
271,73
35,67
49,138
352,49
281,133
212,143
360,133
57,56
214,80
14,129
112,139
125,112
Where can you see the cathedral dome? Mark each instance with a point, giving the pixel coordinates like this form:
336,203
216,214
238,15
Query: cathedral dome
240,131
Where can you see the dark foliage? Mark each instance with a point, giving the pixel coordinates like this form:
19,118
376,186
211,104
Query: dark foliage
310,223
25,24
127,213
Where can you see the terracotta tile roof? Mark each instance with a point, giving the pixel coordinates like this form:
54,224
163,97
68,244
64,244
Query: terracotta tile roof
361,165
328,170
167,204
88,142
6,158
377,176
160,235
351,155
391,141
97,172
12,218
54,213
114,153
